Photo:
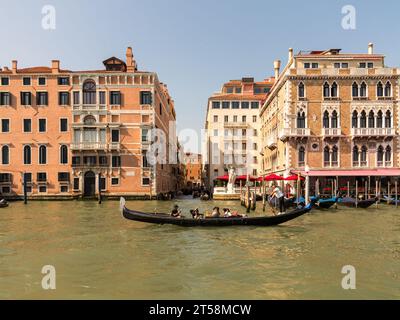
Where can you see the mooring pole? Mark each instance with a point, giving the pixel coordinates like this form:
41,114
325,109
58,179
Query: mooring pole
376,192
348,189
356,193
395,184
25,191
388,193
99,183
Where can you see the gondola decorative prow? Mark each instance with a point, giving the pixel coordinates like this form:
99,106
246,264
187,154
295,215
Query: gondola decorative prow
122,204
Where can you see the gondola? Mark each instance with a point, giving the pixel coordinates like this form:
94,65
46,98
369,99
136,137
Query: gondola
324,203
351,202
391,200
162,218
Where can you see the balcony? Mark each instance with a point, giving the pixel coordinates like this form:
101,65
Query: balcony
236,124
271,143
114,146
331,132
89,146
383,164
294,133
372,132
89,107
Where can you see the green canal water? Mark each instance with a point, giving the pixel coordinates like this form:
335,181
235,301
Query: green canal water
99,255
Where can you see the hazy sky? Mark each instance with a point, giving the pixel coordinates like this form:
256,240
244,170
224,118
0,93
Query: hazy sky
194,46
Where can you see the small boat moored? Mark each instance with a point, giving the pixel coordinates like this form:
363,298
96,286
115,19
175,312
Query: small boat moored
352,202
163,218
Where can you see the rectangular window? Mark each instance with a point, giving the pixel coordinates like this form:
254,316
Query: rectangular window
114,181
254,118
226,118
26,98
238,90
41,81
245,105
225,105
257,90
215,118
42,189
5,177
41,177
362,65
145,137
229,90
76,184
63,177
103,161
102,183
336,65
345,65
215,132
42,99
28,177
116,161
27,125
215,105
63,81
5,98
76,97
314,65
255,105
235,105
89,160
5,125
76,161
114,135
63,125
115,98
63,189
5,81
234,118
145,162
42,125
244,118
26,81
306,65
145,181
145,97
370,65
102,97
63,98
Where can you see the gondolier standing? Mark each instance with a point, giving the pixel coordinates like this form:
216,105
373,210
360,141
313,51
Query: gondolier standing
277,193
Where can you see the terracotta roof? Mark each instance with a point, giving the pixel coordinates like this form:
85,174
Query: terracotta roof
38,70
238,97
341,56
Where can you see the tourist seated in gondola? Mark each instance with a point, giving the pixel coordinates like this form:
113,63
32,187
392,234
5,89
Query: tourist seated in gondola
196,214
227,213
176,212
216,213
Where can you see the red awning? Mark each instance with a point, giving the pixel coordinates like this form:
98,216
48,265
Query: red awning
222,178
351,173
271,177
244,178
293,178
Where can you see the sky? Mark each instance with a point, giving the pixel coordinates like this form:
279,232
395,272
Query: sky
193,45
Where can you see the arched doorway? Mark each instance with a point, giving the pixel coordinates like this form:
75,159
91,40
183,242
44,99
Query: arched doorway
89,184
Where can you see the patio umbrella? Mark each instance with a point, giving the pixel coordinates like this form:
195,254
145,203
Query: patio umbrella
293,178
244,178
273,177
223,178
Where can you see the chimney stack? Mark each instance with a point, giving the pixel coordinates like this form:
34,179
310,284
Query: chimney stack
290,54
55,66
277,66
370,48
130,61
14,66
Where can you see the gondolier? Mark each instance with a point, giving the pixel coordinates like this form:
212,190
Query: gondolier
277,193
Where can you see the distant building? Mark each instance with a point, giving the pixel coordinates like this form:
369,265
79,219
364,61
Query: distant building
232,128
193,170
333,114
75,132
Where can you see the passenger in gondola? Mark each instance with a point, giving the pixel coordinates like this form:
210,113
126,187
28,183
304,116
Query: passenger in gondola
216,213
176,212
227,213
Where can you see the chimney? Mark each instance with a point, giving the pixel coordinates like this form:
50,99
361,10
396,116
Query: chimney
277,66
5,68
290,54
55,66
14,66
370,48
130,61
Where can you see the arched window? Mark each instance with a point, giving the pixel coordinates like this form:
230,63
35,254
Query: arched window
327,156
379,156
379,89
301,119
27,155
355,89
363,90
301,90
354,120
325,120
355,156
334,119
5,155
388,156
334,90
388,89
42,155
371,119
363,119
326,90
89,92
364,153
63,154
388,119
379,119
302,156
335,157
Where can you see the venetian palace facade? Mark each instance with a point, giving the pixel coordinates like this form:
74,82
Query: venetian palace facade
193,170
75,132
232,128
332,114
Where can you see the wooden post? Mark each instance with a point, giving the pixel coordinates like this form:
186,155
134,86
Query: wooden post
263,192
348,189
366,190
395,184
307,191
332,187
317,187
356,193
376,191
388,192
99,183
25,191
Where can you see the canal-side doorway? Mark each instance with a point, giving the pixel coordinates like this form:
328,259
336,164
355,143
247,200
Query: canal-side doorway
89,184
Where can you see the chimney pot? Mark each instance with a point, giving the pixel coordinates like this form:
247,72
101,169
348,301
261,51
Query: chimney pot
370,48
55,66
277,66
130,61
14,66
290,54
